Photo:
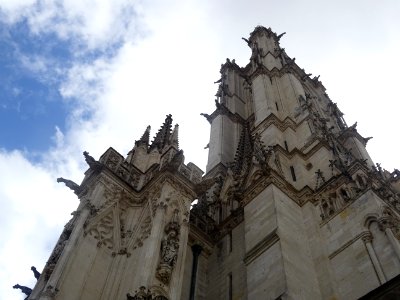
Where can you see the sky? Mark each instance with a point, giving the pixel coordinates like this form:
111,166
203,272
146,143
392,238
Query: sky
89,74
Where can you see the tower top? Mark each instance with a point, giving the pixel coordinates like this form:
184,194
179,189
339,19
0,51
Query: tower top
260,30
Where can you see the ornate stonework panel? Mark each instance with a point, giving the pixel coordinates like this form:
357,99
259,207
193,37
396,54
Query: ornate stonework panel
122,222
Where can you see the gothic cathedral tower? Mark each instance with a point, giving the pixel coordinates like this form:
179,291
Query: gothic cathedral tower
291,205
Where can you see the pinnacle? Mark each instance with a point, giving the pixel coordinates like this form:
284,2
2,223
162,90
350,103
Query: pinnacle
163,135
144,140
174,140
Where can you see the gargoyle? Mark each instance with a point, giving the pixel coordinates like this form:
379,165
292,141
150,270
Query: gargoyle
27,291
69,183
35,272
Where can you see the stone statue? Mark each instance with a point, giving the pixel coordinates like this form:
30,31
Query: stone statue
27,291
35,272
169,250
256,56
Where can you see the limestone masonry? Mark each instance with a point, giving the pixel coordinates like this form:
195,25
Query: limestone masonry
291,205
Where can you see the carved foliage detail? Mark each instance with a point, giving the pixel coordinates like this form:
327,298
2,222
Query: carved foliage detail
112,224
103,230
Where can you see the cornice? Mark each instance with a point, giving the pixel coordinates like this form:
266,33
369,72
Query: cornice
300,197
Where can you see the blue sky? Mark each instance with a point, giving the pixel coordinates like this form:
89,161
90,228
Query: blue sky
86,75
30,103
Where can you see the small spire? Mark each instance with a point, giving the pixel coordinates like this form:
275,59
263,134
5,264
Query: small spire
162,137
174,141
144,140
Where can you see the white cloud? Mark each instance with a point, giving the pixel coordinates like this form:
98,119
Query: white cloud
33,210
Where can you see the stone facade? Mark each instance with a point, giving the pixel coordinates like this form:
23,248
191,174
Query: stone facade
291,205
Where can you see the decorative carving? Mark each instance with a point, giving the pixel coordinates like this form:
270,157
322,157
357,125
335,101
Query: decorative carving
108,226
143,294
103,230
169,249
366,237
50,292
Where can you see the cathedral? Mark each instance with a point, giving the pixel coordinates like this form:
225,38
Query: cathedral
290,205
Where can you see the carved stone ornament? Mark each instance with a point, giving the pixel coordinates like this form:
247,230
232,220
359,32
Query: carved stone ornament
366,237
50,292
144,294
110,230
169,250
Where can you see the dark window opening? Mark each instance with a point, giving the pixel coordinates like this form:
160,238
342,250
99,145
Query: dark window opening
286,146
230,294
293,173
276,104
230,241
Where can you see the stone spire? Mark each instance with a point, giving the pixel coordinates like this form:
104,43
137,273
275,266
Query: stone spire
162,137
174,140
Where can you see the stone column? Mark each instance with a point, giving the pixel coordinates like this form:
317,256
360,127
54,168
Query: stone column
367,239
151,257
196,249
393,241
178,274
386,225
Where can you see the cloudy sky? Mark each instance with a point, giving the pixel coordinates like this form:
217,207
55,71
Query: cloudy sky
81,75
